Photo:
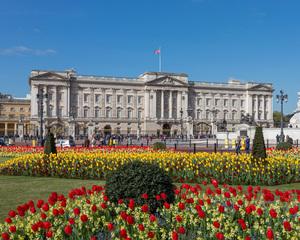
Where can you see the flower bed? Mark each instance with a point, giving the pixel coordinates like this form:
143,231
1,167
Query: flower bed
16,151
229,168
199,212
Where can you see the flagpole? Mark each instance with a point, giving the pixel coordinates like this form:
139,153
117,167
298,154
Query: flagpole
159,59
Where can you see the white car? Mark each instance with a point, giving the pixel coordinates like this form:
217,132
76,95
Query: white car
64,143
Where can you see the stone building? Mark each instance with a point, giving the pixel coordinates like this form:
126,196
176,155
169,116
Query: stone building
153,103
295,119
14,116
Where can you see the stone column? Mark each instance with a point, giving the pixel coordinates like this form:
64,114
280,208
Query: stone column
54,100
45,101
162,105
270,108
114,103
103,103
154,104
256,107
80,102
68,106
34,101
125,103
184,104
147,100
135,104
179,103
248,104
170,104
263,107
5,129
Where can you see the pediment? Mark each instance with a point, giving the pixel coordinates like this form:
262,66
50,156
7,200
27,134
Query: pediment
261,87
50,76
166,81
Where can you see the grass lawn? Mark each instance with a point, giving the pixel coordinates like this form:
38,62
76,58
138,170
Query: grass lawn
16,190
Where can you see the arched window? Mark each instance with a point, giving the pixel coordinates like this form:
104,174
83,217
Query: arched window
199,114
85,112
207,114
140,113
234,115
108,112
129,113
50,113
225,114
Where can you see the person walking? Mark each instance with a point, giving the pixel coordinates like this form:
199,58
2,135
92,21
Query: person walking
238,145
247,145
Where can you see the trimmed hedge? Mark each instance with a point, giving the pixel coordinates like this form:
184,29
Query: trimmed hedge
132,180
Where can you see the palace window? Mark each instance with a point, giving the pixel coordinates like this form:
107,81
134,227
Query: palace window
97,112
119,112
140,112
85,112
60,111
108,113
50,113
140,98
119,98
217,101
129,113
108,98
199,101
233,115
129,99
86,97
234,102
225,114
242,103
199,114
59,96
208,102
225,102
97,98
207,113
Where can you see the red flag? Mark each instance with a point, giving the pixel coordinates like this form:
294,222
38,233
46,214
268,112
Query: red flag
157,51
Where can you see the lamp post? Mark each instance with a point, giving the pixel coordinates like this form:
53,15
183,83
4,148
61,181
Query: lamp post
181,123
213,111
40,96
281,98
72,115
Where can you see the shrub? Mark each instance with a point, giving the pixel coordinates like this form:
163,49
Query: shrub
50,144
284,146
259,148
131,180
159,146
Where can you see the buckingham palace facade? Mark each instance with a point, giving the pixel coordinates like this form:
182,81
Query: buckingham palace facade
153,103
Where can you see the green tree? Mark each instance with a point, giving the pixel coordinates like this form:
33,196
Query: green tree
277,118
259,148
50,144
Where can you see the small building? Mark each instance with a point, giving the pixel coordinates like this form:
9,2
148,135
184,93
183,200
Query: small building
14,116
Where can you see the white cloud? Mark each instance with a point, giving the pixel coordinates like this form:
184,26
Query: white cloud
26,51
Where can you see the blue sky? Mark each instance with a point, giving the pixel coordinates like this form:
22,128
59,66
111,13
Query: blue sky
211,40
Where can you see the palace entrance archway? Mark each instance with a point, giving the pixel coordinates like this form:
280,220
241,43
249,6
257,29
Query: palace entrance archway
107,130
166,130
202,129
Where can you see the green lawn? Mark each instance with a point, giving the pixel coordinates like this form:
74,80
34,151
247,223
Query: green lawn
16,190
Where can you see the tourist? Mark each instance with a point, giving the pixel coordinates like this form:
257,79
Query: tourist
238,145
247,144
